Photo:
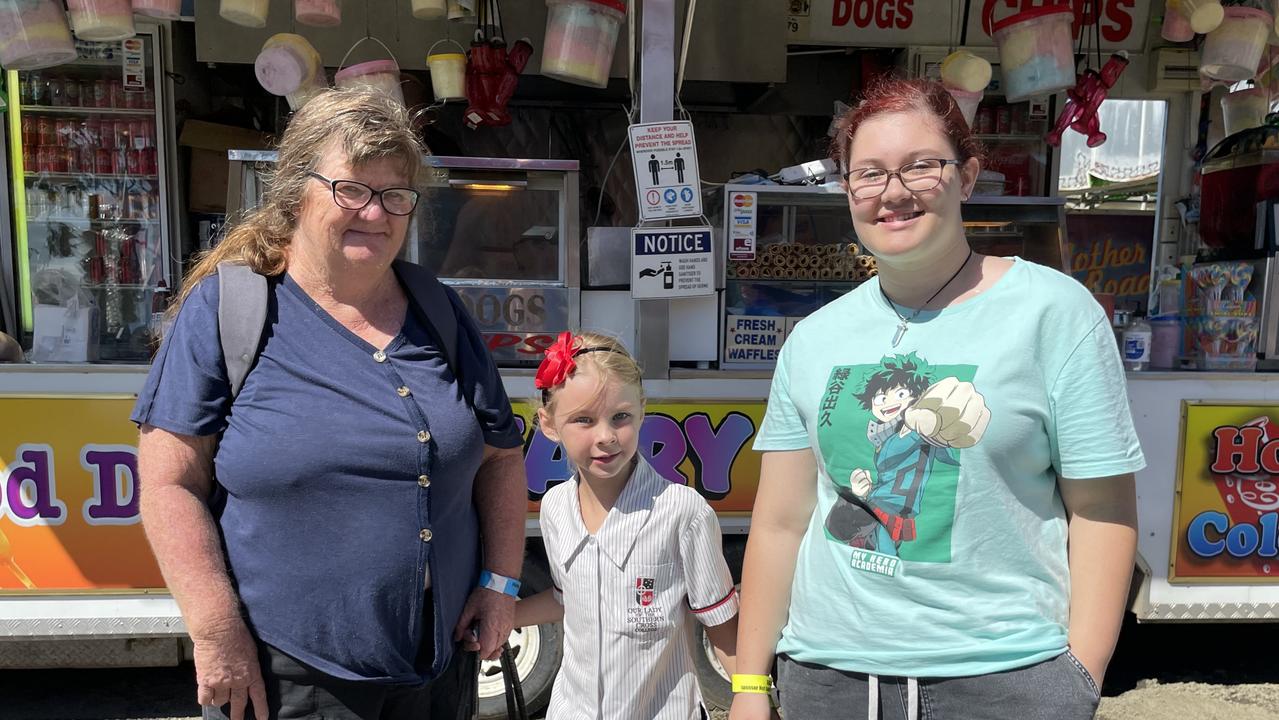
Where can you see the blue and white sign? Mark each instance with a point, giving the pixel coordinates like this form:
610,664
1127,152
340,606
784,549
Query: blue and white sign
672,262
666,179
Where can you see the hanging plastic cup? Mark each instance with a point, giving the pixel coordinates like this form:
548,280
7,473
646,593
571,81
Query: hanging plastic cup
1243,109
1036,52
965,71
249,13
1232,52
383,75
580,38
162,9
458,11
429,9
37,37
1175,28
318,13
448,72
1204,15
101,20
289,66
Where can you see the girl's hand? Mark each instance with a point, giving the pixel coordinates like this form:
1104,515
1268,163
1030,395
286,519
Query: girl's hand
751,706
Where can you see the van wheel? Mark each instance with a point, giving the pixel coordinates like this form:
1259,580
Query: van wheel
717,687
536,651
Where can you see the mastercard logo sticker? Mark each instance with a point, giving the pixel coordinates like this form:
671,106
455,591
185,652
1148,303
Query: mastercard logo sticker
743,201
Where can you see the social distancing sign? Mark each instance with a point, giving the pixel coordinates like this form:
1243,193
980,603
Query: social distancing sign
666,178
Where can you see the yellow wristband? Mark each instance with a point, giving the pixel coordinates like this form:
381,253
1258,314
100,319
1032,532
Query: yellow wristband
759,684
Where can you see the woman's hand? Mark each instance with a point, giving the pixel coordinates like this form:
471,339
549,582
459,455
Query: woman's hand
227,670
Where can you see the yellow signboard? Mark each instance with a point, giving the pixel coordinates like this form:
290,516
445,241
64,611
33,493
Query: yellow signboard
69,493
1226,514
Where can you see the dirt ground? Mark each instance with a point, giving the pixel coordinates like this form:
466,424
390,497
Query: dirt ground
1160,672
1153,700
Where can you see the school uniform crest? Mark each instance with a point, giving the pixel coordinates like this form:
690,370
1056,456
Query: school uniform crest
644,590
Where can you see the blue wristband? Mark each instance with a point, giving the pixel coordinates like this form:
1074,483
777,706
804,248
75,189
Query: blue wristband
499,583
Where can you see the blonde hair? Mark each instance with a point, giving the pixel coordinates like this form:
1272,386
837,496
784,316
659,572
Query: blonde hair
366,125
609,360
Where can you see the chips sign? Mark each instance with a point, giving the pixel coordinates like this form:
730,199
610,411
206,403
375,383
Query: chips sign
896,23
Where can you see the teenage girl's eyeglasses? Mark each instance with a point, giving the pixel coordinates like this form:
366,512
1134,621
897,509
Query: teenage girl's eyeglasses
353,195
918,176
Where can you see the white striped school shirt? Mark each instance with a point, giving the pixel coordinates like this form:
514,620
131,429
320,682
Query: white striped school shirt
630,593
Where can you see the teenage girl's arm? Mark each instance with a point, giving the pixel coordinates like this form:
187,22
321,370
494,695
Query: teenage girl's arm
538,609
1103,544
783,507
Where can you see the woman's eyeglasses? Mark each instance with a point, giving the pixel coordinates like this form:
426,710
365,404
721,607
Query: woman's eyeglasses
918,176
352,195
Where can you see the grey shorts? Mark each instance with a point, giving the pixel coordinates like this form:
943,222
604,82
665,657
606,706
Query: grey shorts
1057,689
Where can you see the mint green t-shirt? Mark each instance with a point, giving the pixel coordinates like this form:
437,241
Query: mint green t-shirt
938,544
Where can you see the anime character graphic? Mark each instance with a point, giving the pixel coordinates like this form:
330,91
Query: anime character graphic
917,423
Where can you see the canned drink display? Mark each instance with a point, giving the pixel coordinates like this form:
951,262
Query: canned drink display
102,161
39,91
30,158
86,94
29,130
65,129
133,159
150,164
101,94
27,88
120,161
71,158
46,131
117,94
138,134
148,99
1003,120
57,96
71,89
122,135
133,99
92,131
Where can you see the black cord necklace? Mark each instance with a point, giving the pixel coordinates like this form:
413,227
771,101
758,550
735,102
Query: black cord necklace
905,321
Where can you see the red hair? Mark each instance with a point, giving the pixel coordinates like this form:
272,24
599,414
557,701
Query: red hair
896,95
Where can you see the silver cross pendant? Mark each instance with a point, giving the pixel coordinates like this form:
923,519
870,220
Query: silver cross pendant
901,330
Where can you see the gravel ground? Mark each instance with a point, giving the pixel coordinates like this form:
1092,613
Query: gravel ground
1160,672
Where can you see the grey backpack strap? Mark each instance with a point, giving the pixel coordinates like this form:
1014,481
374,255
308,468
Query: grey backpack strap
428,293
242,301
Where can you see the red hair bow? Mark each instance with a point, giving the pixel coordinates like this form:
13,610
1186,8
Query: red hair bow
558,363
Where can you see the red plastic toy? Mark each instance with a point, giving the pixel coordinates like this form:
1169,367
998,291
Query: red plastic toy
491,77
1082,101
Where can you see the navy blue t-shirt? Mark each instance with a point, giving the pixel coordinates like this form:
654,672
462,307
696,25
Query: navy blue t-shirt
343,473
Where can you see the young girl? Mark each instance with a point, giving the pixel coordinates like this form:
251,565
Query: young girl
634,558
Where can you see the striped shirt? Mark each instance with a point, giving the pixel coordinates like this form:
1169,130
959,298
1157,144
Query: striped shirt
630,593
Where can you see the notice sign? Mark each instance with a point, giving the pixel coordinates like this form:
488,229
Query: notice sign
753,338
740,212
1226,512
672,262
666,179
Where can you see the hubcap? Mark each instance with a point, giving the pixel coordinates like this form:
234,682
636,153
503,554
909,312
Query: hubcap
525,644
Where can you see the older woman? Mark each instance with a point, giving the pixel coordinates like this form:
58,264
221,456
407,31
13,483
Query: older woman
933,442
324,529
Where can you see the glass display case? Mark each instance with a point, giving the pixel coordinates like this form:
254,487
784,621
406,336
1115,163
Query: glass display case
806,254
502,232
90,202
